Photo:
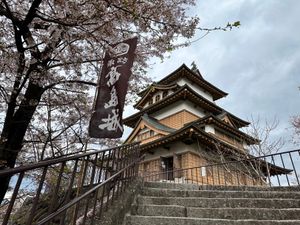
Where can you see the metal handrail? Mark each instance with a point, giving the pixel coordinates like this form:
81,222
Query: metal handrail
264,167
91,177
86,194
49,162
243,160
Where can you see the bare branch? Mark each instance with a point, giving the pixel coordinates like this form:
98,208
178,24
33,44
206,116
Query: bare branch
70,82
32,12
263,130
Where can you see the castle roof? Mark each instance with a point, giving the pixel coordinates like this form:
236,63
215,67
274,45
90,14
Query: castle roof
152,89
212,119
190,132
184,92
184,72
237,122
185,134
155,123
152,124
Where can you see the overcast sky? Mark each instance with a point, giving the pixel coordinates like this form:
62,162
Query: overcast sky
258,64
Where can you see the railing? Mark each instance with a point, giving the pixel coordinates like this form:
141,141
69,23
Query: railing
280,169
69,190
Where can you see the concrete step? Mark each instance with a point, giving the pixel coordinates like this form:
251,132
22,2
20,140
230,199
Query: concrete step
219,193
248,188
161,220
161,210
219,213
190,204
220,202
170,185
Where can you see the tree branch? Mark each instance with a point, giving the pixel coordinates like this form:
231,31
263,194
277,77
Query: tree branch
32,12
70,82
74,63
62,22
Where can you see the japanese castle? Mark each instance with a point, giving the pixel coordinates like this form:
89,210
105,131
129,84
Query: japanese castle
180,126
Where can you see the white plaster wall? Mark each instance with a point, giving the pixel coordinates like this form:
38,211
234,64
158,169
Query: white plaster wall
209,129
245,146
196,88
177,107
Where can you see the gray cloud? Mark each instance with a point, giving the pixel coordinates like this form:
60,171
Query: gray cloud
257,64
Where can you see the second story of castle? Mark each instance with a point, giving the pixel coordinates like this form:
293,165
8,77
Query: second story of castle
180,99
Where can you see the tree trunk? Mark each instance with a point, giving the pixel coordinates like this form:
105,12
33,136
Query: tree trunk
15,130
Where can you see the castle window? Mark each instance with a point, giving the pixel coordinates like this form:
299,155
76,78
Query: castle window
151,133
147,135
165,93
203,171
157,98
146,166
150,101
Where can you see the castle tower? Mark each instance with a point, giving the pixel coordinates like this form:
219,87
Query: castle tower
179,126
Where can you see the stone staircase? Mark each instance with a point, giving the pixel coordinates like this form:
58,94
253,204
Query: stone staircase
189,204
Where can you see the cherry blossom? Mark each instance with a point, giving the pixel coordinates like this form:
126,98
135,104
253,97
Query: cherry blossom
50,58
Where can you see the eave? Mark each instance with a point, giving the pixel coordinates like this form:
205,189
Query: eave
211,119
156,85
150,90
180,134
184,71
191,131
151,124
238,122
185,92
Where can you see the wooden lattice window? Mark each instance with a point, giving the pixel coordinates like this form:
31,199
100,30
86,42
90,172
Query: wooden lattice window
146,166
157,98
150,101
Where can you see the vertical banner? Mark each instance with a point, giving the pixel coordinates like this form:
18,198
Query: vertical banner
106,120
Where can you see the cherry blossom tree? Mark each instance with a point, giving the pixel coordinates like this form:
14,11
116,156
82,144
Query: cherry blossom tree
51,53
295,121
